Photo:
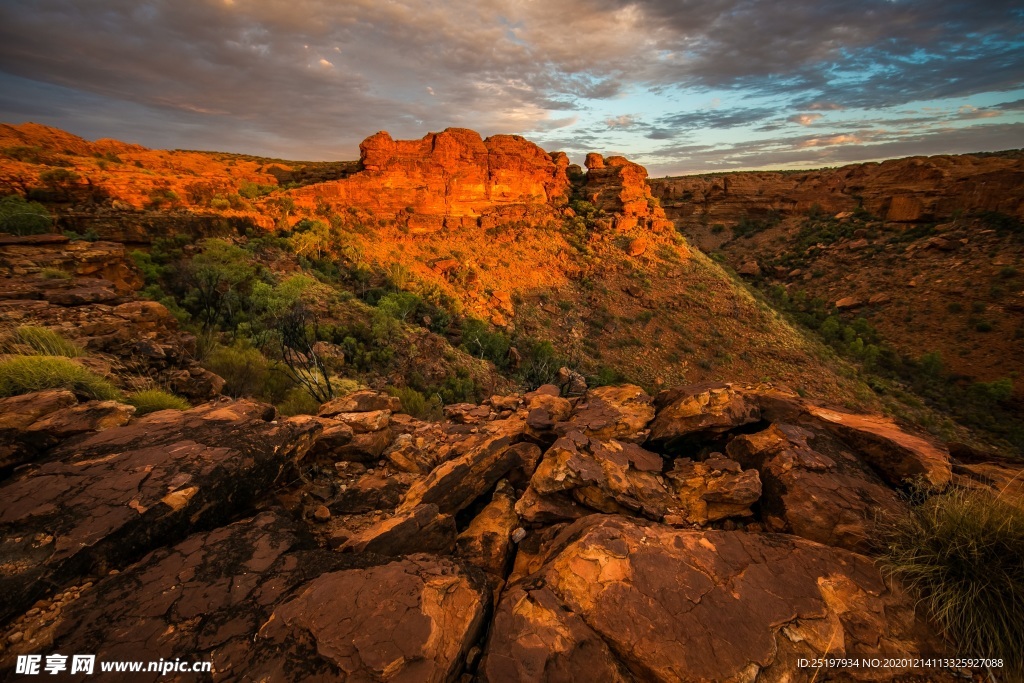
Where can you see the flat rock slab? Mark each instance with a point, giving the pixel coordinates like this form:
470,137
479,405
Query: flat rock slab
103,501
410,620
619,599
259,604
896,454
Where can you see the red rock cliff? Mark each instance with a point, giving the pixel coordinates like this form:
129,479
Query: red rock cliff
617,185
453,173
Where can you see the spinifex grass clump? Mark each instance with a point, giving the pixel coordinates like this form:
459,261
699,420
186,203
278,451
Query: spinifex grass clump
152,400
46,342
25,374
962,554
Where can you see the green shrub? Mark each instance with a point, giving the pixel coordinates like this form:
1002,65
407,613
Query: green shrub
245,370
20,217
55,274
46,342
962,554
152,400
416,404
25,374
298,402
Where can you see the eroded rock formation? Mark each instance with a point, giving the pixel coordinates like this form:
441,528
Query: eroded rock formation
452,174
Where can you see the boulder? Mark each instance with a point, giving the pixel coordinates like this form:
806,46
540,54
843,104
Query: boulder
333,436
457,482
622,600
361,401
487,541
712,490
422,529
637,246
376,490
749,268
17,414
365,447
364,422
814,486
700,410
535,509
849,302
411,620
612,412
608,476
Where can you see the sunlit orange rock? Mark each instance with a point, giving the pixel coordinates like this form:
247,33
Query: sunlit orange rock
453,173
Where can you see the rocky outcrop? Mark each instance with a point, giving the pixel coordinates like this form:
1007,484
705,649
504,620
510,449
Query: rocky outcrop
448,175
617,185
712,533
701,410
259,604
832,499
23,261
911,190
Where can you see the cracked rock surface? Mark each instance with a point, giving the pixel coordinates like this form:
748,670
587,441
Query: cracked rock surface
620,599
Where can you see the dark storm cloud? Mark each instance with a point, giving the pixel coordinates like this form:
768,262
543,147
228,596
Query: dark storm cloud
839,53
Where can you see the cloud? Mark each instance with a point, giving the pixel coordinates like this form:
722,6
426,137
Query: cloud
674,125
797,153
804,119
830,140
316,76
624,121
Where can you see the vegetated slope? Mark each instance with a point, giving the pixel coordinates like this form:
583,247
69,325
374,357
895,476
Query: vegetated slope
562,266
512,235
924,256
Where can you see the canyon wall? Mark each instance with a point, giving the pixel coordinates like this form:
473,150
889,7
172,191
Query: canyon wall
911,190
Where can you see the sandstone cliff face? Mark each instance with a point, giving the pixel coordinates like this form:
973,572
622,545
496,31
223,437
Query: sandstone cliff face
453,173
619,186
916,189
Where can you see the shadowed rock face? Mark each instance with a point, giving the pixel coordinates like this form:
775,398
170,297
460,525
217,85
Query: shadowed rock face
260,604
104,500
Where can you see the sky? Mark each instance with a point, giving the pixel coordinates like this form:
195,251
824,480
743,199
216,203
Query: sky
681,86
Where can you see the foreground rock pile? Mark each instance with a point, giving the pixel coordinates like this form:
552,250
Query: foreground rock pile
710,533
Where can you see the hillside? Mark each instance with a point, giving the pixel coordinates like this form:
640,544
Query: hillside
929,252
608,282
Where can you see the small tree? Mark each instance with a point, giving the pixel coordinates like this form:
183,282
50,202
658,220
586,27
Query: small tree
299,328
